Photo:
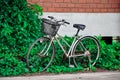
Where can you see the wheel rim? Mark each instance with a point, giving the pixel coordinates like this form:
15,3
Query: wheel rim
37,60
91,45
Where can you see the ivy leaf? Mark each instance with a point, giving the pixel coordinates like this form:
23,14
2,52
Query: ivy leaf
19,17
7,30
25,24
36,8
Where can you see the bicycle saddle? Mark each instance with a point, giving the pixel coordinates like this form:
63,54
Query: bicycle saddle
79,26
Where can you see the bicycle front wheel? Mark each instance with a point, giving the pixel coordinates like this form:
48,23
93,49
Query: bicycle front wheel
88,47
40,54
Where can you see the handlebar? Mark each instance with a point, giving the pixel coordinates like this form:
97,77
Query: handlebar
65,21
51,17
60,21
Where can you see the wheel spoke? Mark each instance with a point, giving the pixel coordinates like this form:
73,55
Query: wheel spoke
90,47
40,55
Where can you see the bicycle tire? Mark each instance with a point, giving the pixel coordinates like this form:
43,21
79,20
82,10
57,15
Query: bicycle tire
37,60
92,45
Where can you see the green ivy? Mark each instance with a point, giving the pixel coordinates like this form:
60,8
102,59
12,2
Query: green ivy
10,65
109,56
19,26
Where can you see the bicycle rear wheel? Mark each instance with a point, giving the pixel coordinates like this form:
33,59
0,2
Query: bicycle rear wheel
40,54
90,48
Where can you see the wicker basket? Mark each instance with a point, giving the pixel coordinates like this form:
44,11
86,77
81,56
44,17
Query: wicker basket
49,27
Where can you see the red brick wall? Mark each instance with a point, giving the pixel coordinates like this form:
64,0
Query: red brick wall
87,6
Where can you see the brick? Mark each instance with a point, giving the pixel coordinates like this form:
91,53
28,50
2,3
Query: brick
84,5
29,0
74,10
56,5
117,1
96,10
43,1
90,1
114,1
67,1
71,5
108,5
81,10
66,9
59,1
119,5
110,1
104,1
51,1
104,10
115,6
77,5
59,9
48,5
63,5
100,6
89,10
45,9
117,10
111,10
93,5
75,1
82,1
34,1
41,4
97,1
51,9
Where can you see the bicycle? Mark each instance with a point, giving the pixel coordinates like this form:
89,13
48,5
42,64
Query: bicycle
83,51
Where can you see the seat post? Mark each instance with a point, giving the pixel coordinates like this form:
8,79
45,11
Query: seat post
77,32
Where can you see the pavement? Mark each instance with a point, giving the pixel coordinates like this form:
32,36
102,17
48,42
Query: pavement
115,75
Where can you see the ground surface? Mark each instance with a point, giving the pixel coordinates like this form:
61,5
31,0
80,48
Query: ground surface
114,75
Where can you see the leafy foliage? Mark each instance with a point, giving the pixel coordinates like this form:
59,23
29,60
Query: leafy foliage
60,62
19,26
10,65
110,56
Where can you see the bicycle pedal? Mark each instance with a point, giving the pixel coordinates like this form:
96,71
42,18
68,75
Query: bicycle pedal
71,66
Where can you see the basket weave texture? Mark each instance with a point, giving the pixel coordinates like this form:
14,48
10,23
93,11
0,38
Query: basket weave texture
50,27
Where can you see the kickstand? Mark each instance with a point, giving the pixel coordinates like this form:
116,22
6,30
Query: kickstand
70,65
90,61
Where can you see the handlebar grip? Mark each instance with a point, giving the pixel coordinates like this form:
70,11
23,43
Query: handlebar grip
67,22
51,17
